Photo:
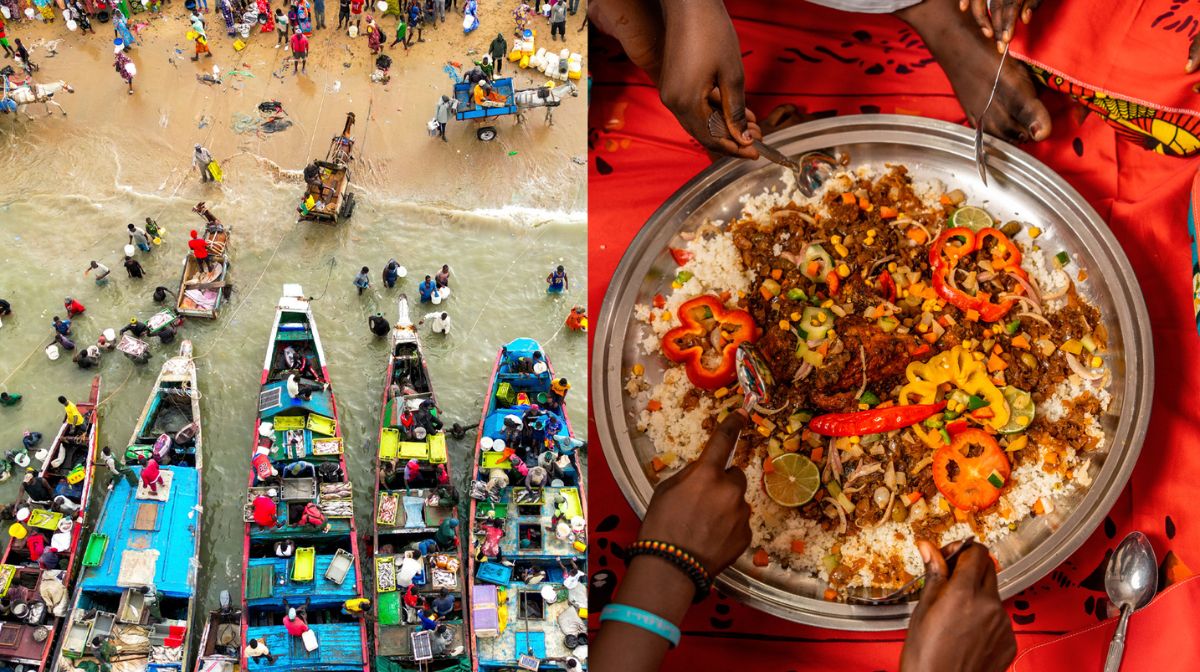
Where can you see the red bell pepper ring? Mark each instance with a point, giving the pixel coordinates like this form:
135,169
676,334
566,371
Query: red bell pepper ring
874,421
685,344
944,257
681,256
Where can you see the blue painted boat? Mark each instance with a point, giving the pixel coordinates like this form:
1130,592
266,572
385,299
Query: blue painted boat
306,556
528,564
69,470
136,593
408,513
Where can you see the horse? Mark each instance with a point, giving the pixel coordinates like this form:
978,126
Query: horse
28,94
549,98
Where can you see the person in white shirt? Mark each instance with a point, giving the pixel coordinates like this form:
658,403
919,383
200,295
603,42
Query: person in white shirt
439,322
410,567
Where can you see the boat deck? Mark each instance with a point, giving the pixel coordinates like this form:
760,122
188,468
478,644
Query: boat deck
271,580
149,540
340,648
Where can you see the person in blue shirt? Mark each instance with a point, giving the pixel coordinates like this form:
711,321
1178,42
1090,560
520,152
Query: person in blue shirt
62,326
426,289
363,280
427,623
443,604
427,546
557,281
391,273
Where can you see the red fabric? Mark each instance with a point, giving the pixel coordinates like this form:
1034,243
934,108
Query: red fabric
265,511
73,308
299,44
35,544
831,63
199,248
295,626
150,475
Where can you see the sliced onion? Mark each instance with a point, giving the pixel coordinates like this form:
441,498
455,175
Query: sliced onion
879,263
841,514
1035,316
1082,371
716,339
801,373
795,259
889,476
768,411
985,276
835,461
1030,288
863,469
862,355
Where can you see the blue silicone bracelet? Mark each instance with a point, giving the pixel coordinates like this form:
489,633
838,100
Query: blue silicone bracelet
642,619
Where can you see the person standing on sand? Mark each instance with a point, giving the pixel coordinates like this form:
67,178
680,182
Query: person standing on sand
442,117
299,52
281,25
319,14
401,32
439,12
374,36
124,68
558,21
23,56
121,30
8,50
201,41
498,50
201,159
343,14
356,12
81,17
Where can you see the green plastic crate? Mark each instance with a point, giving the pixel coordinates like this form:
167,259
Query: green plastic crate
389,608
93,555
506,393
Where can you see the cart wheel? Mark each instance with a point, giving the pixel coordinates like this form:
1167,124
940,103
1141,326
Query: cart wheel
347,208
486,134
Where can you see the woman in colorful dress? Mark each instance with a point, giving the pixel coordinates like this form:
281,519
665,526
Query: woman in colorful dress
125,69
374,36
121,30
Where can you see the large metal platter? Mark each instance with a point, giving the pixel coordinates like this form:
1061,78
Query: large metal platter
1021,188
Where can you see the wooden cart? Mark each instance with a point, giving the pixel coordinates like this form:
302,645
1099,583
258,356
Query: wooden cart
326,198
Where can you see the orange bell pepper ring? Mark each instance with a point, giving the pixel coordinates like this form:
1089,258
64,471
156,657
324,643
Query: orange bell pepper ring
688,343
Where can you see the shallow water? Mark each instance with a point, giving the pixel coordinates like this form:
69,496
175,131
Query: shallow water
57,213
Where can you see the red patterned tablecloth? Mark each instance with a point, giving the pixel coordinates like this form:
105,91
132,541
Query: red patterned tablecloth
830,63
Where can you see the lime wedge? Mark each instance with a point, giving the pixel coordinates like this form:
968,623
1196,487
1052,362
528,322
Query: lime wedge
971,217
1021,409
793,479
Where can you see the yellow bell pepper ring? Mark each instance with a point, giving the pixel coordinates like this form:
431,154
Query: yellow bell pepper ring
958,367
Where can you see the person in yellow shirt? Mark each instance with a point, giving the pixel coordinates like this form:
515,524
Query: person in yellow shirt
74,418
485,97
358,607
558,392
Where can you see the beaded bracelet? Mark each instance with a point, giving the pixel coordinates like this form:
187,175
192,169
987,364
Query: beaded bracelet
686,562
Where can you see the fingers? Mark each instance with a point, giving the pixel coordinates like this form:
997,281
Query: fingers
1194,54
1003,19
1027,10
936,571
731,80
972,566
979,10
720,446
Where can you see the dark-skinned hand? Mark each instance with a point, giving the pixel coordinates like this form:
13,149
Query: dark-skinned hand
702,509
996,18
702,72
959,624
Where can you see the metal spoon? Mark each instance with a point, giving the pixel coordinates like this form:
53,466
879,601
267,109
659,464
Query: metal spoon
811,169
1130,580
980,155
876,597
754,378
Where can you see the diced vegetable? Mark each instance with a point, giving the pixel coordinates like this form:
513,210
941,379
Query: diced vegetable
887,324
761,558
868,397
831,562
911,498
807,354
1072,346
1063,259
796,294
1088,343
770,288
683,276
653,405
1016,444
1013,327
681,256
995,364
660,301
975,403
797,546
1021,341
658,465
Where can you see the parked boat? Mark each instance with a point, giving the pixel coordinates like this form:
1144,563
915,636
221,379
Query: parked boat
133,606
528,586
416,509
29,632
306,557
220,641
203,288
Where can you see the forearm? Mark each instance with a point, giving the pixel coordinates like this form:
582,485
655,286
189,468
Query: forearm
654,585
637,25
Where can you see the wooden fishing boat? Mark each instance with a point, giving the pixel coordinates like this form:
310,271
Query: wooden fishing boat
220,641
69,468
201,290
528,586
326,197
134,603
308,559
414,497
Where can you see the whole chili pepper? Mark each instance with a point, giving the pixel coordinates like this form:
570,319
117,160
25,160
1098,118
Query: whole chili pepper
685,344
873,421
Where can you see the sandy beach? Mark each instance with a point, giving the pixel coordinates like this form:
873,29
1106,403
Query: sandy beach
527,165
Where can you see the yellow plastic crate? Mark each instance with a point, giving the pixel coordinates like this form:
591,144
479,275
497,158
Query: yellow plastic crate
414,450
304,564
389,444
492,460
321,424
283,423
437,449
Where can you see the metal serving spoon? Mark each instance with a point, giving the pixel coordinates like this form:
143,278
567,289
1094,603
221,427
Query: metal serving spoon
754,378
811,169
875,597
980,155
1130,580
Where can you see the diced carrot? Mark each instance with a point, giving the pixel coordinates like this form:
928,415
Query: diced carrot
917,235
929,337
830,595
761,559
776,273
921,351
812,269
1039,509
996,349
653,405
765,294
817,454
945,200
823,349
725,295
996,364
943,321
983,413
756,418
848,198
972,315
797,545
658,465
1021,341
888,212
864,204
660,301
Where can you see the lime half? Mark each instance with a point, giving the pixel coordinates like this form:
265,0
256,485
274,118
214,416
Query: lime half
971,217
793,479
1021,409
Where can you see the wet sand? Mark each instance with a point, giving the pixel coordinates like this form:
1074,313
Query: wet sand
170,110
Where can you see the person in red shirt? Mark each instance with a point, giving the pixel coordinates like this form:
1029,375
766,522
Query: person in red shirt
294,623
199,250
300,51
152,476
266,510
356,11
8,50
73,307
